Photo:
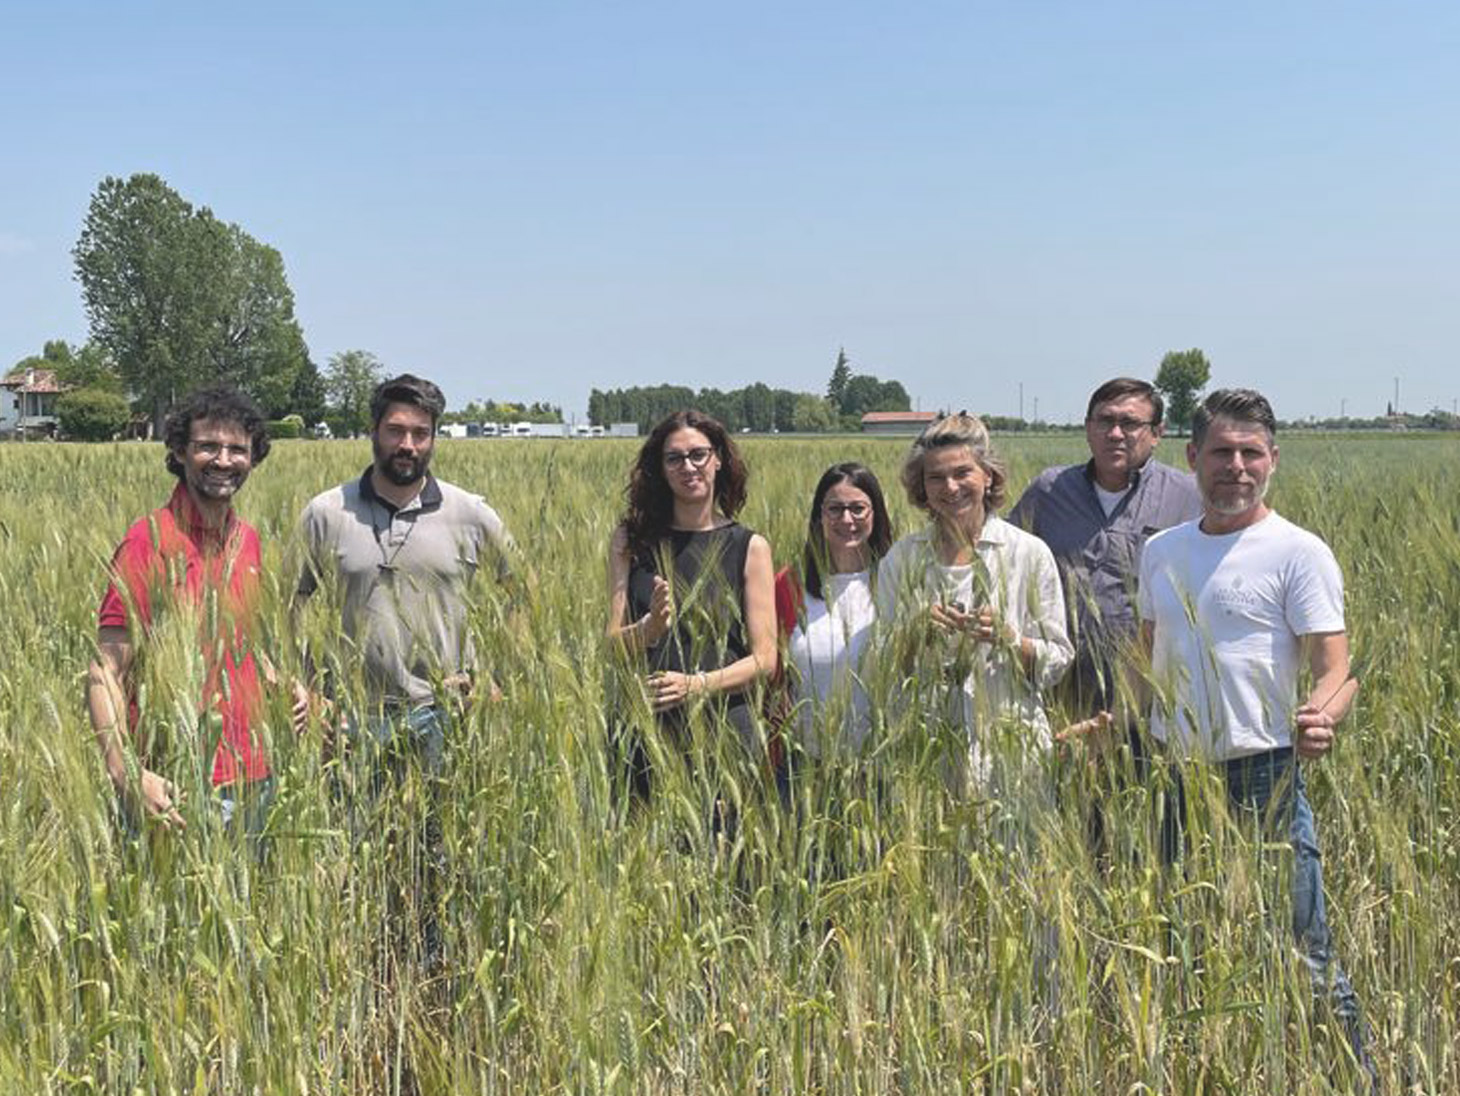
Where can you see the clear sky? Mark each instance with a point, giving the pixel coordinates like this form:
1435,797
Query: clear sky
525,201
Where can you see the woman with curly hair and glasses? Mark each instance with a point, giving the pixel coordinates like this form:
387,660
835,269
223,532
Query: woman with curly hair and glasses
690,589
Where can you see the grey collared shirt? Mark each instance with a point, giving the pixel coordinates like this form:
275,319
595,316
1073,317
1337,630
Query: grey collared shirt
1099,556
404,575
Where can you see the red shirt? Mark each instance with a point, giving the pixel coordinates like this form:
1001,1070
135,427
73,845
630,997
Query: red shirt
169,557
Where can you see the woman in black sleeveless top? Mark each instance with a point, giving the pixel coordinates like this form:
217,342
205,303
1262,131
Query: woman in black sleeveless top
691,590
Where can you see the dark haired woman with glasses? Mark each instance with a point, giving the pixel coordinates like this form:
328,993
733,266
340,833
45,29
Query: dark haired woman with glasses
826,617
690,589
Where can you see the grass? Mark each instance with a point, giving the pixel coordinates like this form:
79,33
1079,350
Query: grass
881,936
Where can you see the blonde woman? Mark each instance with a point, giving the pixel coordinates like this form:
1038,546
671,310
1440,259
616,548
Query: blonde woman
975,606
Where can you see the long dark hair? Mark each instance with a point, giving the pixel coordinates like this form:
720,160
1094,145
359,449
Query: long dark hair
860,477
651,502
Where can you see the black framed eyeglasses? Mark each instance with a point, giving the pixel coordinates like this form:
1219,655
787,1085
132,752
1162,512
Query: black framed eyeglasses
1106,423
212,450
697,457
837,510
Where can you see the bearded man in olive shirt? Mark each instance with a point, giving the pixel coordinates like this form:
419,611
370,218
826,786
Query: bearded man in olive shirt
404,549
1096,518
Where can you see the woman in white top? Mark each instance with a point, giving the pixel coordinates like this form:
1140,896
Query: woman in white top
827,617
976,611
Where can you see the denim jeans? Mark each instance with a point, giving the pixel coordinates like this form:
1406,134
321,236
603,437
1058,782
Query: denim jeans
246,805
1269,788
389,737
386,747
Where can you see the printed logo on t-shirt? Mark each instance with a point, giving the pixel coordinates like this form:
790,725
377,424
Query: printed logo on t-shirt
1233,598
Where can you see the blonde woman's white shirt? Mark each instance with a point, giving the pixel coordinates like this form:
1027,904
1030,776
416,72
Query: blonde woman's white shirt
826,650
1015,573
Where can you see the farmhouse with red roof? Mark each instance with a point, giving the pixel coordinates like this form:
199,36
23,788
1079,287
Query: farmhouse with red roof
28,403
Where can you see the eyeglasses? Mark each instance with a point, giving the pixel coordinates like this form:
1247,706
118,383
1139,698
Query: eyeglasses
837,510
1106,423
215,449
695,458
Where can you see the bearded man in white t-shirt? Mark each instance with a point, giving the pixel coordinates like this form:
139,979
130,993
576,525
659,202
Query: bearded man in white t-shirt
1233,606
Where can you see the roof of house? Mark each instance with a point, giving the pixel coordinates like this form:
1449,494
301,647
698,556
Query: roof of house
899,416
32,380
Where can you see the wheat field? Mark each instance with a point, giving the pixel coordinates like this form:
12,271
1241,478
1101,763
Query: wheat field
877,935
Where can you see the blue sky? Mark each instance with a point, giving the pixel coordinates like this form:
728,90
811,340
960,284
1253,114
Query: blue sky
525,201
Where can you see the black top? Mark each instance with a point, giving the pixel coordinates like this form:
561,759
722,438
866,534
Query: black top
709,599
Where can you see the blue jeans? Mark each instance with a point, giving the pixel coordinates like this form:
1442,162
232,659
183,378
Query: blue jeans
388,745
246,805
1269,789
391,736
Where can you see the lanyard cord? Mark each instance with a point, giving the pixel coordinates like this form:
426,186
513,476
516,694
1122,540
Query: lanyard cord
386,565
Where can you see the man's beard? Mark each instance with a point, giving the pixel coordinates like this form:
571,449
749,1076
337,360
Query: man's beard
219,489
1240,505
400,469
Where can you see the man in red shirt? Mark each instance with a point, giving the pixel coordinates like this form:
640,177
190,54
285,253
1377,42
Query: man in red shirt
194,565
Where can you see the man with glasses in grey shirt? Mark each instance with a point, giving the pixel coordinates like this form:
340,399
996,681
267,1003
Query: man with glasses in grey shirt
1096,518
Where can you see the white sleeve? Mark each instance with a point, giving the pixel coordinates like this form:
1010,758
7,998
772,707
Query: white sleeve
889,578
1045,617
1313,590
1145,584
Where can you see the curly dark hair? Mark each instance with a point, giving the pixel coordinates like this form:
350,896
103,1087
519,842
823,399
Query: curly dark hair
651,502
815,555
216,403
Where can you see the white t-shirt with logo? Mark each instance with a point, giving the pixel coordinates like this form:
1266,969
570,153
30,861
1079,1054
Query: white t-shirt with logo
1229,612
827,652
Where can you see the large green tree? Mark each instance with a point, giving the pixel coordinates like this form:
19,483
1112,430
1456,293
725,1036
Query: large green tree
348,382
178,298
1182,376
258,344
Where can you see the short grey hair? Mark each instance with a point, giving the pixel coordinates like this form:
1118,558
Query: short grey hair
950,430
1244,405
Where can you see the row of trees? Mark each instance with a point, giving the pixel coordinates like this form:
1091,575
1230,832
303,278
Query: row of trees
505,411
757,406
176,297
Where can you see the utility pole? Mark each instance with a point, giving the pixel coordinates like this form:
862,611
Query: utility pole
1396,395
1343,409
1021,401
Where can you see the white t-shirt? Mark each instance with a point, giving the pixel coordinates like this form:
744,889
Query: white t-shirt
1109,500
827,653
1229,612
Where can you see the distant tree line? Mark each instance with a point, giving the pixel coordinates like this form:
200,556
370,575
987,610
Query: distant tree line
505,411
757,406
